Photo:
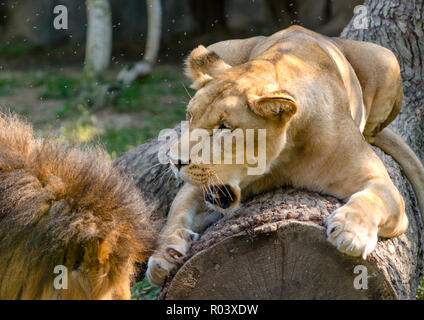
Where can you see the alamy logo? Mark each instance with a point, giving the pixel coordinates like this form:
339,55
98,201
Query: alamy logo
61,20
60,282
361,19
361,281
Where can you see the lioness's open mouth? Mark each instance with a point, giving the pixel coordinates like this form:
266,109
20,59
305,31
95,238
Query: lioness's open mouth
220,195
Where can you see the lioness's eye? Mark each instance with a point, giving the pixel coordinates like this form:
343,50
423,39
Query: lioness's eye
223,127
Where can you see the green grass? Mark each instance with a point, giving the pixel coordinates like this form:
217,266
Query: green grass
119,141
7,86
15,50
144,291
52,85
420,290
58,87
154,94
158,101
139,99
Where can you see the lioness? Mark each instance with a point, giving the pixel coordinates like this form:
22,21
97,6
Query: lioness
71,225
317,98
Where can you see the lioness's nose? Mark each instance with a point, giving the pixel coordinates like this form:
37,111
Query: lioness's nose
179,164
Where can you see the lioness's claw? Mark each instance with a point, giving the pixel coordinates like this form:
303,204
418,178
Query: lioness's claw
175,254
167,258
191,236
158,269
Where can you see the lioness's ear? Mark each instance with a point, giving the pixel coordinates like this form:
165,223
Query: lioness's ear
278,105
202,65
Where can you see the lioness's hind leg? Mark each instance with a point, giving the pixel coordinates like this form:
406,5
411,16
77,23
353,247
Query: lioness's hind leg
380,81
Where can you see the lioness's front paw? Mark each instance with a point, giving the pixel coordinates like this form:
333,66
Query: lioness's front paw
169,256
158,269
351,233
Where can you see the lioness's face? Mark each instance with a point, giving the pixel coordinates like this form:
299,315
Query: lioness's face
234,136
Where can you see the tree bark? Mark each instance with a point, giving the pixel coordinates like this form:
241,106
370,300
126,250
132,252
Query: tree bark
274,246
156,182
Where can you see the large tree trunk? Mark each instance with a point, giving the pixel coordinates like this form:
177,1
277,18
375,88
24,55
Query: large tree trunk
275,247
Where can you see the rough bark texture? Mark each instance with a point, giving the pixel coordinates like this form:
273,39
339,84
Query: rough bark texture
274,246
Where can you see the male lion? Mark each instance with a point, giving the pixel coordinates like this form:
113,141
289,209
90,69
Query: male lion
64,207
317,98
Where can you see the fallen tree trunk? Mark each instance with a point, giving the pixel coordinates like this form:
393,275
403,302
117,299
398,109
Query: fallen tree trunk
275,246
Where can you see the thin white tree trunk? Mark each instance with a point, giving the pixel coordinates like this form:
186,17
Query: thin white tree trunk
154,10
99,38
144,67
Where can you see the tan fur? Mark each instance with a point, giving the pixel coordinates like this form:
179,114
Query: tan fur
317,98
64,205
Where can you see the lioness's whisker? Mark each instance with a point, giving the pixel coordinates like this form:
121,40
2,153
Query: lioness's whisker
188,93
213,192
217,185
222,183
155,165
169,171
161,175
